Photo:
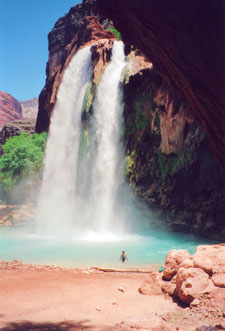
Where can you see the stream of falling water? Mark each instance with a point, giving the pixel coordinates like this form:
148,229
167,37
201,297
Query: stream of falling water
107,169
56,208
61,210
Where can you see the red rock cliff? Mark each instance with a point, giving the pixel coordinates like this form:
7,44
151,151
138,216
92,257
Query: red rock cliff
10,109
79,28
185,41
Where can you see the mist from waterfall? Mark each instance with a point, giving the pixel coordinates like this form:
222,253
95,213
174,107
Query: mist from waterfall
64,206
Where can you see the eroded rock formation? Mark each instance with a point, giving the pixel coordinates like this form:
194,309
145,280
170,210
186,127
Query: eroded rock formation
185,41
79,28
30,108
14,128
197,280
197,274
10,109
169,162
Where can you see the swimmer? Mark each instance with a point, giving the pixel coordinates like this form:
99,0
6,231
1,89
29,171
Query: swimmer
123,257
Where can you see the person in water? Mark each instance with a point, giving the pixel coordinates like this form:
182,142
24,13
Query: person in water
123,257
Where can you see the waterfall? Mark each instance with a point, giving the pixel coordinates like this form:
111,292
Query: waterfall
108,119
56,208
63,205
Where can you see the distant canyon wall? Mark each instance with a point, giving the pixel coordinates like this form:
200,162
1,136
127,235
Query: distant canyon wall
16,117
10,109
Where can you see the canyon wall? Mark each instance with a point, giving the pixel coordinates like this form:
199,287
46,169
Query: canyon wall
169,142
169,161
30,108
10,109
16,117
79,28
185,41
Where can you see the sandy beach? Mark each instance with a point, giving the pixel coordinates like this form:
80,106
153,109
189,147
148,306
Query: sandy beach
53,298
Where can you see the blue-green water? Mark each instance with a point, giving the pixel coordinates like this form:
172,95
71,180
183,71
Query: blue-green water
142,250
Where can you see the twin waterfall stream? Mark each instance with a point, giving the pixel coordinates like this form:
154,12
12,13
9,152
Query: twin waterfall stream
64,207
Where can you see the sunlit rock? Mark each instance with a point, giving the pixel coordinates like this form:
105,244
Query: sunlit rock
191,283
210,258
172,123
152,286
10,109
173,260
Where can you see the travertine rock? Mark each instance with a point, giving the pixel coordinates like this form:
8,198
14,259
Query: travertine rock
187,263
191,283
210,258
219,279
173,260
172,123
152,286
192,277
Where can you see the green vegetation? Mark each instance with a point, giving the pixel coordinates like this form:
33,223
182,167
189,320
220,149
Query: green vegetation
88,98
140,120
169,165
129,163
115,32
22,158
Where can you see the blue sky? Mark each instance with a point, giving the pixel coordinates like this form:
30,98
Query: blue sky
24,26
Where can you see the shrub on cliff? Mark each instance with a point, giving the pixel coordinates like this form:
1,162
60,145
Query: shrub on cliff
116,32
22,159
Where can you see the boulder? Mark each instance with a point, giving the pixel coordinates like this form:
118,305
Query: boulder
173,260
191,283
152,286
187,263
169,287
210,258
219,279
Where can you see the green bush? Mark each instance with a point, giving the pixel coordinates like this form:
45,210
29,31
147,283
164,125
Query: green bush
22,158
129,163
115,32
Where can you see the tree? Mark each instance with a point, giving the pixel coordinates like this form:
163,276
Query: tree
22,158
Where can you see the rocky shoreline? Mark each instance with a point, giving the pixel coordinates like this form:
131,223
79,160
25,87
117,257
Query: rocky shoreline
158,309
16,215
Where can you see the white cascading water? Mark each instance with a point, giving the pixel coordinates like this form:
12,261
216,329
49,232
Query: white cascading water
108,153
57,206
62,208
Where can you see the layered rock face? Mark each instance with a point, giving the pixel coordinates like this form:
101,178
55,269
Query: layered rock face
10,109
15,128
185,41
30,108
16,117
169,162
79,28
